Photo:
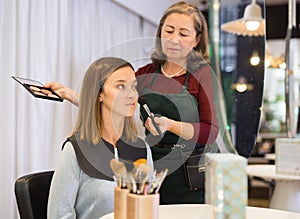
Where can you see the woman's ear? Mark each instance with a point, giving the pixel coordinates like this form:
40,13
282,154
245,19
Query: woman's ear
197,40
100,97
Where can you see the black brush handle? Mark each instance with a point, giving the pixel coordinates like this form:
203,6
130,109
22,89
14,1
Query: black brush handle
156,126
142,101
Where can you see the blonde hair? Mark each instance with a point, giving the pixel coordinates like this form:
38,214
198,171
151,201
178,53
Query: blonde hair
200,52
88,123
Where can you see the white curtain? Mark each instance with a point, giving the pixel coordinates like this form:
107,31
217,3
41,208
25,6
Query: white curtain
52,40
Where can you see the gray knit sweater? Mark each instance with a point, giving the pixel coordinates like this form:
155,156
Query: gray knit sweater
74,194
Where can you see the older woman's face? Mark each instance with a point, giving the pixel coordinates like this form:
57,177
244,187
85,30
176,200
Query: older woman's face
119,95
178,36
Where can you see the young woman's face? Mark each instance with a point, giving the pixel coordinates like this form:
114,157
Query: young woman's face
119,95
178,36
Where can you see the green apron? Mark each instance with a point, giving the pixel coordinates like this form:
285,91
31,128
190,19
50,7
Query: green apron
180,107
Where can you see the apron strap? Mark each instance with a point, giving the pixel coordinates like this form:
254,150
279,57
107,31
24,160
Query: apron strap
186,84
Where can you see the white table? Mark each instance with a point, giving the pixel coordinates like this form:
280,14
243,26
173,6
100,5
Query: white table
270,156
195,211
286,195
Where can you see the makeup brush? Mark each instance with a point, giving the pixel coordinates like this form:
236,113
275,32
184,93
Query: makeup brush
139,162
161,179
143,103
145,169
120,171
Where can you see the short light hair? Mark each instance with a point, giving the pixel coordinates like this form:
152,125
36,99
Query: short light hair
200,52
88,123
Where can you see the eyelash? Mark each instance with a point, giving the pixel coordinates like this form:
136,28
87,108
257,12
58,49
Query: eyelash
170,31
122,86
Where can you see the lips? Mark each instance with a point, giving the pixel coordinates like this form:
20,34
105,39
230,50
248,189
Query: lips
173,49
131,104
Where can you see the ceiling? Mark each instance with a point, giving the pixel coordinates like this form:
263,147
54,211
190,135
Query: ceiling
278,2
204,3
152,12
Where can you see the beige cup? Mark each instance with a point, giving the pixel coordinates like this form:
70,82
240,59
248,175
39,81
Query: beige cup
142,206
120,203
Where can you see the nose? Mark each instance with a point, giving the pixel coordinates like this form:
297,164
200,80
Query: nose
132,94
174,38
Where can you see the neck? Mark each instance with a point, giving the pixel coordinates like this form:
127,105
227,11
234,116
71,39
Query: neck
171,69
176,63
112,129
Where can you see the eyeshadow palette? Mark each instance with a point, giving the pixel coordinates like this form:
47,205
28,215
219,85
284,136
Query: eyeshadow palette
37,89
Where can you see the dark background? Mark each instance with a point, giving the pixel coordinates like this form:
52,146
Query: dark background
277,21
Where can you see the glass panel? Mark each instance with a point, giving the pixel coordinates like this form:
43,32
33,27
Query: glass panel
241,80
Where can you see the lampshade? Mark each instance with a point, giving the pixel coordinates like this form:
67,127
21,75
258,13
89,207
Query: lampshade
252,23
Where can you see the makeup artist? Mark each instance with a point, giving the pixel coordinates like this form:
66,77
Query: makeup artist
82,185
178,89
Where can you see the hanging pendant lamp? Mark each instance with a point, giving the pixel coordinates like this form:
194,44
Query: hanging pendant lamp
252,23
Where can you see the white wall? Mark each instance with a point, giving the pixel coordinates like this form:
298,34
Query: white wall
150,10
46,41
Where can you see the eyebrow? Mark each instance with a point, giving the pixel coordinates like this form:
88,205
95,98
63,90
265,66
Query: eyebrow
124,81
168,25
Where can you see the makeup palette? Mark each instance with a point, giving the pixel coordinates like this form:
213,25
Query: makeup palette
37,89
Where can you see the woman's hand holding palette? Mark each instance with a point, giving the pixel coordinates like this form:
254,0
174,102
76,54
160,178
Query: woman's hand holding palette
37,89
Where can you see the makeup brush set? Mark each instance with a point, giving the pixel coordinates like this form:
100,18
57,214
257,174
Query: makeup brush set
140,179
